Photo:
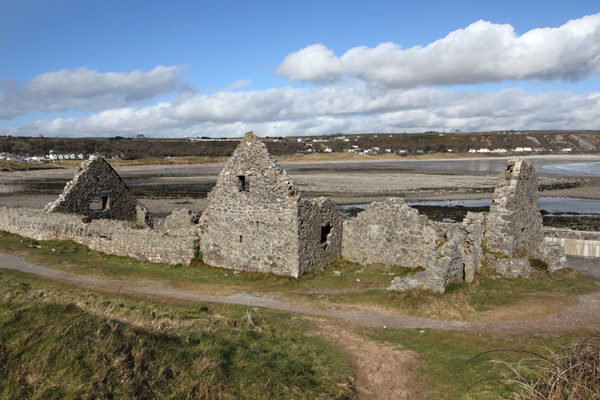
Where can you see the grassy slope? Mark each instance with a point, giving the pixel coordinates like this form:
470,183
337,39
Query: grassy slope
58,342
444,353
452,364
358,285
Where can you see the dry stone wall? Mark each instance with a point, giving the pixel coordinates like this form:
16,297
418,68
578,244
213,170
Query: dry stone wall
514,223
514,228
392,232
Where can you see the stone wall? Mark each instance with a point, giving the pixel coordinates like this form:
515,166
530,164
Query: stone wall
576,243
109,236
320,233
257,221
514,223
392,232
97,192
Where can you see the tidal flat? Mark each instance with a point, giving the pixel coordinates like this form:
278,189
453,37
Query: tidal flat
166,188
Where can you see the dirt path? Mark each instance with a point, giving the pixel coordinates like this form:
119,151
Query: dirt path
584,315
383,371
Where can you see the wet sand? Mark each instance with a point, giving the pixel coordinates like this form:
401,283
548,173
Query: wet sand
166,188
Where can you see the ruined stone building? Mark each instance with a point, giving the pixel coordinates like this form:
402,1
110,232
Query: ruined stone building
98,192
257,221
514,229
392,232
514,224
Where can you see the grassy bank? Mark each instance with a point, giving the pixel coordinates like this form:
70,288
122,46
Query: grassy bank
472,366
61,342
9,166
58,342
489,297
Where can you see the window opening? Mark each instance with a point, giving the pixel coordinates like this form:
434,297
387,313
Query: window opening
325,235
242,183
99,203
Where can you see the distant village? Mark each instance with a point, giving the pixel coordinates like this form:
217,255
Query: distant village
501,143
49,158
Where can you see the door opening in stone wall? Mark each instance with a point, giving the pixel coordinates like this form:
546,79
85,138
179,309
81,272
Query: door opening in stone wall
99,203
325,235
242,183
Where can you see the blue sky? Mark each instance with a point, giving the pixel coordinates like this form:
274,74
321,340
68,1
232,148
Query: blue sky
198,68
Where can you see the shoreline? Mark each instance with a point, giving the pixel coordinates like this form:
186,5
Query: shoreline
164,188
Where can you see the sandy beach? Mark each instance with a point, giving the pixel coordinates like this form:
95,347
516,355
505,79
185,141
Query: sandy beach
166,188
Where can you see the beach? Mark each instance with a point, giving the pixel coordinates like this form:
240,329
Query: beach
166,188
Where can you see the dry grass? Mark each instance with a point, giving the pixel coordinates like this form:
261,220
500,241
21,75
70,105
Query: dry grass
570,373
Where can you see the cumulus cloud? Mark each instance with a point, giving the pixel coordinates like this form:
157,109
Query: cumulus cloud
337,108
481,52
84,89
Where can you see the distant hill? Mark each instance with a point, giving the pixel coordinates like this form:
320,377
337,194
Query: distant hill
542,142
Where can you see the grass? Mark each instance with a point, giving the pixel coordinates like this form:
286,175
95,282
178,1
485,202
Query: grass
62,343
101,344
452,363
6,165
489,297
573,372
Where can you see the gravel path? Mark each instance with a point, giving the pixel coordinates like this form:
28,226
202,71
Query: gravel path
584,315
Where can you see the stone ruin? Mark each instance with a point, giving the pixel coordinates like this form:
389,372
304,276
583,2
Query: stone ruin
391,232
514,230
98,192
257,221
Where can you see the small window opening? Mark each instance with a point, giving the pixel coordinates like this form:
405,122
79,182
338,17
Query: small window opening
241,238
325,235
99,203
242,183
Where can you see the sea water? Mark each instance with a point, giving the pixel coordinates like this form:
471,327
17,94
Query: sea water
565,206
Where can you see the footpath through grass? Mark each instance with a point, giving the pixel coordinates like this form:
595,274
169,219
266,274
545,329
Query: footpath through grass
62,343
453,366
489,297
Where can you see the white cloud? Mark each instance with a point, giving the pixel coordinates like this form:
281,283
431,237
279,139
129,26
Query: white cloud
242,83
83,89
482,52
337,108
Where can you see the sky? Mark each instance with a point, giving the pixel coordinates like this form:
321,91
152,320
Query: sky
105,68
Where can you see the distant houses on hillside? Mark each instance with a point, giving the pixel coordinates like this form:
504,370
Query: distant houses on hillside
52,157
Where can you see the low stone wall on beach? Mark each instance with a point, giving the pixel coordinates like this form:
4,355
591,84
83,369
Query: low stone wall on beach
108,236
575,243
